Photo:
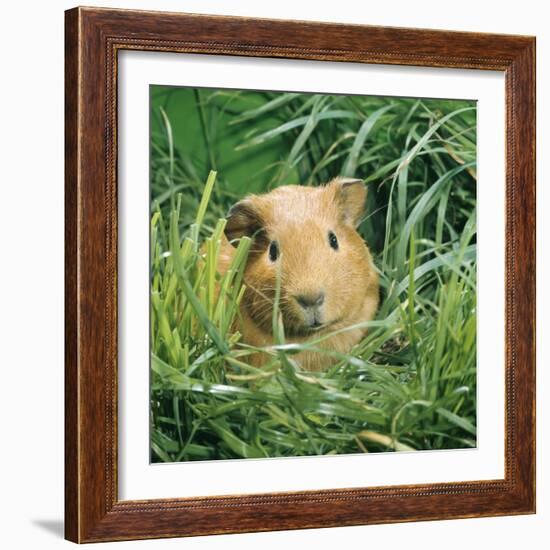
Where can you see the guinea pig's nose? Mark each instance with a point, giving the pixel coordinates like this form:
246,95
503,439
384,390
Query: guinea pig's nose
311,299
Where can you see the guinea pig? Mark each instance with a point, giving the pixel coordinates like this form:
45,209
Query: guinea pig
327,277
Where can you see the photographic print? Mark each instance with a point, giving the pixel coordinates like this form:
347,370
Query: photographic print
288,304
312,274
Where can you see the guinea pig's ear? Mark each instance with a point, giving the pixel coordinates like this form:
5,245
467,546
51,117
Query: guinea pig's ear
351,194
243,220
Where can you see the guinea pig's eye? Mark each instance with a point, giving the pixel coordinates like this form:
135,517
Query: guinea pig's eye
273,251
332,240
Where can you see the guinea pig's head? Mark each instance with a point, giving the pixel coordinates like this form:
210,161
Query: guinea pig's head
308,235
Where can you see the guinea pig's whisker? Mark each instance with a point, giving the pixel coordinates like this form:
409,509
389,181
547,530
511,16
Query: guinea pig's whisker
265,310
262,308
261,293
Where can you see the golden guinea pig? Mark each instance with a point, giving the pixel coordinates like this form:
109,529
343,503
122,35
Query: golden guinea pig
327,278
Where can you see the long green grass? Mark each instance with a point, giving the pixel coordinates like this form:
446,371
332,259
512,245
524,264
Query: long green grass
411,383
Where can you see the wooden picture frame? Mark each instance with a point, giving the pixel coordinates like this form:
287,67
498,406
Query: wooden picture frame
93,511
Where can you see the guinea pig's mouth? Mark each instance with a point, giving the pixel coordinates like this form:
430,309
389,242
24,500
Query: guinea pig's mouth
316,325
309,328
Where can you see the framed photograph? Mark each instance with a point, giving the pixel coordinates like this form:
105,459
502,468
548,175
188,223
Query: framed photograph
300,275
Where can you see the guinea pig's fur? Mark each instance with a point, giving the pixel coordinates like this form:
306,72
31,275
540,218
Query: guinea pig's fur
328,281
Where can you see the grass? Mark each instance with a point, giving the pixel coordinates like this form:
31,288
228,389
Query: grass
411,383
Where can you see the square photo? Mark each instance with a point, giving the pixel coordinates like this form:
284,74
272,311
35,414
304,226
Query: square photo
312,274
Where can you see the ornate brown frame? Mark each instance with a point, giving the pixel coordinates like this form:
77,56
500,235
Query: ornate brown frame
93,38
